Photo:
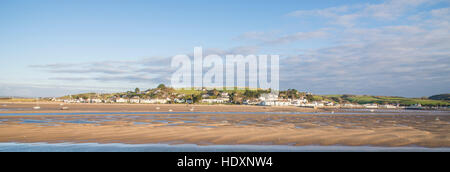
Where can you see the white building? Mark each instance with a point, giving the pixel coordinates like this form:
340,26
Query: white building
160,101
135,100
328,103
268,103
177,100
224,99
81,100
213,101
282,103
348,105
121,100
298,102
224,94
146,101
276,103
313,104
388,106
154,101
252,102
371,106
95,101
108,100
71,101
268,97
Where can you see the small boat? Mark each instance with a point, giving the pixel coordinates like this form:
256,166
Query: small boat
157,108
170,110
64,108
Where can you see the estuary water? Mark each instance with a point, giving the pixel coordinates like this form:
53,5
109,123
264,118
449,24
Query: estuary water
343,112
119,147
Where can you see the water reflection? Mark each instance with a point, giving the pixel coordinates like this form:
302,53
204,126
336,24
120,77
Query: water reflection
118,147
421,121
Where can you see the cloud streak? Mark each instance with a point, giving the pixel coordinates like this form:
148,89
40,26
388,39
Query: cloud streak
411,59
349,15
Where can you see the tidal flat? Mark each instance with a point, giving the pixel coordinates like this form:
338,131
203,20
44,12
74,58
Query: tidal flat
238,126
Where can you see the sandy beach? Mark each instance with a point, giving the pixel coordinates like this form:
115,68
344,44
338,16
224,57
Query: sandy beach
52,107
211,127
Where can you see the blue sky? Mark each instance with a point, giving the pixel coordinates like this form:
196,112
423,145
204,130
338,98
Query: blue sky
391,47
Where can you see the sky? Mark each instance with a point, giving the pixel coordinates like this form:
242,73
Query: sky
378,47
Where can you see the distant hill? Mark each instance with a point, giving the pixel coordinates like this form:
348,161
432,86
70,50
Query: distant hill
440,97
364,99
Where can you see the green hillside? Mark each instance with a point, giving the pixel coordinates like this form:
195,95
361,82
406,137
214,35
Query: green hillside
440,97
365,99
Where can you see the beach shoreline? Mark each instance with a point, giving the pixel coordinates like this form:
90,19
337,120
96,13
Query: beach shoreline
121,147
266,128
53,107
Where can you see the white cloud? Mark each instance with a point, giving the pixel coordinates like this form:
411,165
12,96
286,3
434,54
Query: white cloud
392,9
349,15
410,59
443,13
276,39
299,36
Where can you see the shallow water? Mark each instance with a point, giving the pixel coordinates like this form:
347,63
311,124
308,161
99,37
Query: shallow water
431,122
119,147
393,110
434,126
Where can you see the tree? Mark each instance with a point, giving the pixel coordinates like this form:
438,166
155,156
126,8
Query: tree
162,86
215,92
251,94
236,98
338,100
196,98
137,90
310,97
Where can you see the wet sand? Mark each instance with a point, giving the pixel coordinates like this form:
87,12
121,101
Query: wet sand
52,107
415,129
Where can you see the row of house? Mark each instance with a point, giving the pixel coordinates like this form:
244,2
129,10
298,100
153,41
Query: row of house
117,100
223,98
81,100
273,100
147,101
370,106
212,98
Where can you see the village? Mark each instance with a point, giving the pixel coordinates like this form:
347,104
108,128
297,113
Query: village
167,95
